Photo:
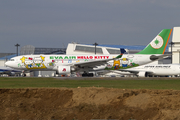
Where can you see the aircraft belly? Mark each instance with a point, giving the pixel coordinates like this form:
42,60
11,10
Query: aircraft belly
165,72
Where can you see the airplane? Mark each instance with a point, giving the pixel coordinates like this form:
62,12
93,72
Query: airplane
41,62
151,69
9,71
66,64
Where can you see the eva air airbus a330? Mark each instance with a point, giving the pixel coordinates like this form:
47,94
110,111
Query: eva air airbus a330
65,64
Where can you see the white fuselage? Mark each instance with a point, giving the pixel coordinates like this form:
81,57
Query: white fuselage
161,69
52,62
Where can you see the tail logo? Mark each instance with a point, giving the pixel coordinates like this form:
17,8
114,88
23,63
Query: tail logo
157,42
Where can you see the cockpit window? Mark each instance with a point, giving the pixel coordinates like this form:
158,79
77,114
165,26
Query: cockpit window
11,59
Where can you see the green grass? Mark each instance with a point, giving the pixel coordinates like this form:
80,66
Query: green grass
122,83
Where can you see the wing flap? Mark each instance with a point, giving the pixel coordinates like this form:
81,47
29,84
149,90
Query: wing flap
92,63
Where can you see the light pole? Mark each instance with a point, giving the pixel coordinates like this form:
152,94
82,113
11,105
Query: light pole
95,46
179,56
171,43
17,45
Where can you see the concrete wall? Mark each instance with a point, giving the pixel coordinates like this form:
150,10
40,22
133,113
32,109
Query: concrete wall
176,45
71,49
2,62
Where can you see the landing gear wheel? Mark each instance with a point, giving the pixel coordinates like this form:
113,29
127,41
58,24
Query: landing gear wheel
87,75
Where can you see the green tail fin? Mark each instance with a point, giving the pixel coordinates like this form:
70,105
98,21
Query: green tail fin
158,44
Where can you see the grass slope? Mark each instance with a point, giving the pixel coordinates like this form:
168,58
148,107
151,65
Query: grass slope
127,83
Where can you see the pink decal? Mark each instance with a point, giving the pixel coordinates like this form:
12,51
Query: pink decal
30,58
101,57
64,70
84,57
79,57
91,57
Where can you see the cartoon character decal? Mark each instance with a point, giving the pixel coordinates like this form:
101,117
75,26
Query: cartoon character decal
109,66
52,64
33,63
39,63
116,64
123,63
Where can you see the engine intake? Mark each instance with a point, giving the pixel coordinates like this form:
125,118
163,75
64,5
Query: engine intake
64,69
142,74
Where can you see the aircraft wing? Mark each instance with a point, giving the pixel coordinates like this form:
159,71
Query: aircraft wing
92,64
134,71
125,71
7,70
154,57
95,63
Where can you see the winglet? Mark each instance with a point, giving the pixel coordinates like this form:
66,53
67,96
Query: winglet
122,52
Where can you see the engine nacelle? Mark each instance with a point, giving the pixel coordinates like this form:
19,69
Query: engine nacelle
12,73
142,74
64,69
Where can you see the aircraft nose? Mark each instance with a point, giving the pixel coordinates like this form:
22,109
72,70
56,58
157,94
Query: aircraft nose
10,64
7,63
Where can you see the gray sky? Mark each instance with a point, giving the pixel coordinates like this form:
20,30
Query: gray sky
55,23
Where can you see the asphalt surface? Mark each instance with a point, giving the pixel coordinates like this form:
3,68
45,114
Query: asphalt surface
118,78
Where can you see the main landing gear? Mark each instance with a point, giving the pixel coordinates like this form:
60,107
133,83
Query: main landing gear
85,74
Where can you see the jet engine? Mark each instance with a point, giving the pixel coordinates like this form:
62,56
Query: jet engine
64,69
12,73
142,74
